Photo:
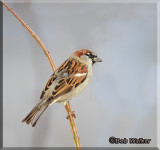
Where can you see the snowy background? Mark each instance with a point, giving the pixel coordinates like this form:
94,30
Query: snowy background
120,101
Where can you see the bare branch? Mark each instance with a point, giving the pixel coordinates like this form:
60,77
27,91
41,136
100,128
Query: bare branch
53,66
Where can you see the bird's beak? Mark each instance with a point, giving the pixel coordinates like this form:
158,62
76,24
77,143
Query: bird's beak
96,59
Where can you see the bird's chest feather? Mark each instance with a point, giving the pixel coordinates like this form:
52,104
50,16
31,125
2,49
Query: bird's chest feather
85,83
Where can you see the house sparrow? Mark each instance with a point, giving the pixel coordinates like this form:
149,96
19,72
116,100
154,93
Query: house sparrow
65,83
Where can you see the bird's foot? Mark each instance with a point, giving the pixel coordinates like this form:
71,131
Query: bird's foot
71,113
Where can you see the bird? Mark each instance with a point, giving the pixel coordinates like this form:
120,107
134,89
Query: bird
69,79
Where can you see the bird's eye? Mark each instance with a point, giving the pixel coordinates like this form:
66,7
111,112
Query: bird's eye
89,55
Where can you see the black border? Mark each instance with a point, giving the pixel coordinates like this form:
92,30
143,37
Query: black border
1,74
83,148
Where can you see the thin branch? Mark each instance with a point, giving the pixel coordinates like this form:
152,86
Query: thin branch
67,106
53,66
73,126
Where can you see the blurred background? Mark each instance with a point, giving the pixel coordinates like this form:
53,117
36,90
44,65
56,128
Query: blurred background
120,101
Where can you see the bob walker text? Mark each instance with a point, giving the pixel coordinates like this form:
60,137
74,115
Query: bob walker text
114,140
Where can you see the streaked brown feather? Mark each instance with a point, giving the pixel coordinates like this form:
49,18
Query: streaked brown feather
71,67
68,83
48,84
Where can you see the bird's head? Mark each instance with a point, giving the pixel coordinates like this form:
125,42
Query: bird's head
87,56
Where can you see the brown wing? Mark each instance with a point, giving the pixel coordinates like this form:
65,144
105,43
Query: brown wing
70,74
74,74
48,84
53,77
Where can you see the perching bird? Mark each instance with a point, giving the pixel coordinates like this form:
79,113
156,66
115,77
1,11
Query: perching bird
65,83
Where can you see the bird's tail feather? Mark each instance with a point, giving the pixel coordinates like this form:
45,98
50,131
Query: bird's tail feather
36,118
34,115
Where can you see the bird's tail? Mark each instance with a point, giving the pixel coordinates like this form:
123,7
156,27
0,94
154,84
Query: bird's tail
34,115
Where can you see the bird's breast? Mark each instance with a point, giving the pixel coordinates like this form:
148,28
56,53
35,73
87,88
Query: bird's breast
80,88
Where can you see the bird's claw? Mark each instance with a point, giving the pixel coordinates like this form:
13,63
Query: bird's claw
71,113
